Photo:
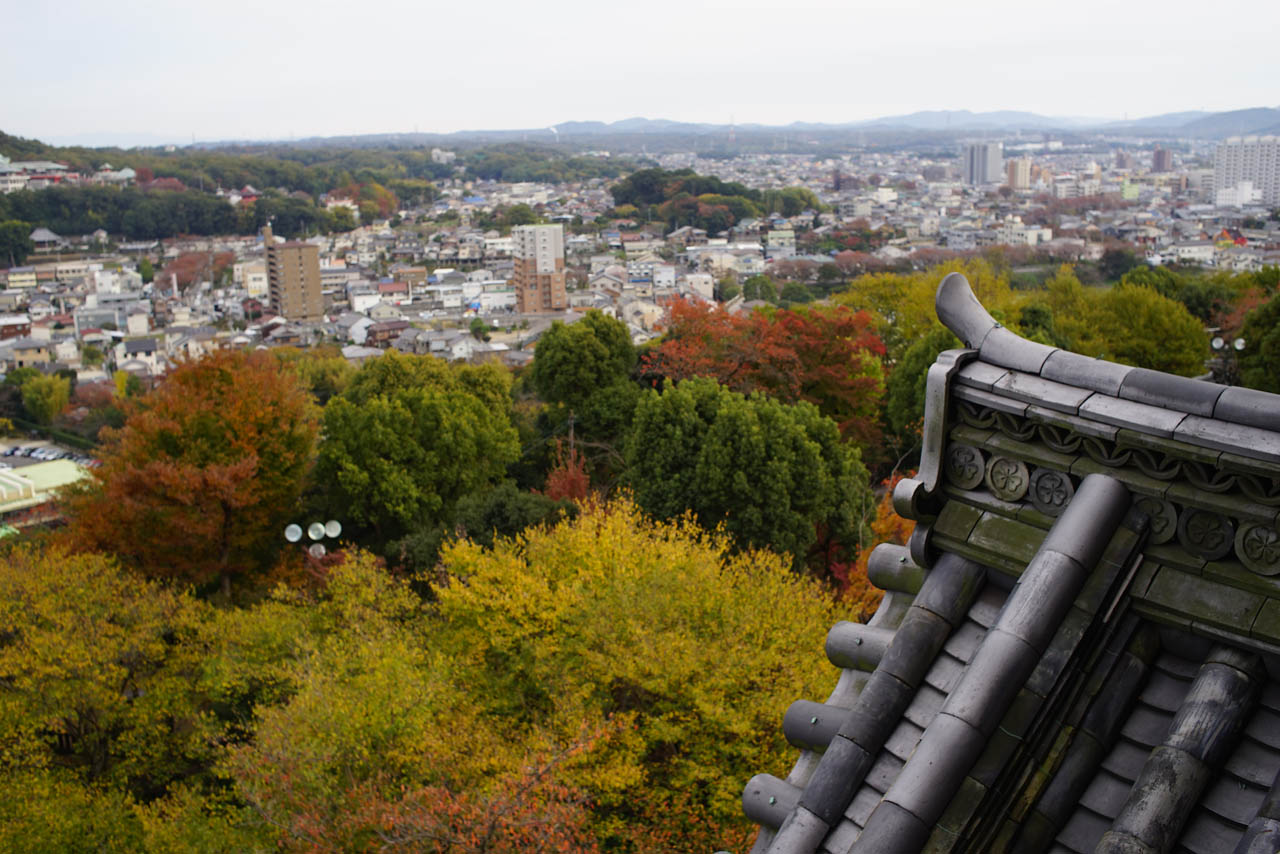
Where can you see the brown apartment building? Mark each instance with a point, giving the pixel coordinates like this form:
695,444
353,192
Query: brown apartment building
293,278
539,268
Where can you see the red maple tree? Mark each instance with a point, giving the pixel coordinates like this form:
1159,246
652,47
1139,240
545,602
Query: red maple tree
826,356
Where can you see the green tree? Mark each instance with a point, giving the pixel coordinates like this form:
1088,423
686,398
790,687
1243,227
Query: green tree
147,270
1140,327
770,473
15,242
905,387
760,287
584,369
573,362
1260,359
408,438
795,292
44,396
520,214
1116,262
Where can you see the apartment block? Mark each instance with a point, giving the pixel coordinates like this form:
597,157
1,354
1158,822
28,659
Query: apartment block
1251,159
538,251
293,278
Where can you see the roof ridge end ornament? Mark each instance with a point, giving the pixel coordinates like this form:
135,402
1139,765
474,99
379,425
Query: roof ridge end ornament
959,310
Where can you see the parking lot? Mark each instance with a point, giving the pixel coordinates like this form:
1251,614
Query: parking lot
16,453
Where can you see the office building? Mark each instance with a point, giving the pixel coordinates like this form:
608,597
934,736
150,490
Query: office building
293,278
1251,159
982,162
538,278
1018,174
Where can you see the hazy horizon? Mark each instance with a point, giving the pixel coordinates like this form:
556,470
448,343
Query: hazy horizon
170,73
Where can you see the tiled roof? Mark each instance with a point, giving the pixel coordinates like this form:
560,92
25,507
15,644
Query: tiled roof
1079,648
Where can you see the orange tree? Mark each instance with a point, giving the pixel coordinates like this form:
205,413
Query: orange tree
203,475
828,357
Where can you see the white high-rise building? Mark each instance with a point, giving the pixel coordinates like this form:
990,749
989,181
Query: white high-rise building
982,163
1252,159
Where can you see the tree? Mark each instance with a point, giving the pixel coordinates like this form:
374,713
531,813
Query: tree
214,457
904,404
584,370
44,396
902,306
15,242
408,438
147,270
520,214
1142,328
769,472
1260,359
1117,261
91,355
101,675
829,357
612,616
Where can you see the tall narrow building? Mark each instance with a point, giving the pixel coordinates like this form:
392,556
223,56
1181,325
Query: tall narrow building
539,268
293,278
982,162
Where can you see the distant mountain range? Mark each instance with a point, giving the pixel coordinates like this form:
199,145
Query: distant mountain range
1194,124
642,134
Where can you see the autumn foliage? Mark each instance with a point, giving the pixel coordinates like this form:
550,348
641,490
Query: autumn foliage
191,267
827,357
199,481
856,590
568,477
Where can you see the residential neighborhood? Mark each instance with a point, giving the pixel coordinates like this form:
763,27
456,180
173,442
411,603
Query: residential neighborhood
417,281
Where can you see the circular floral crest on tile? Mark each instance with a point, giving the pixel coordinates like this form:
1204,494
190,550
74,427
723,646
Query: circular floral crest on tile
1163,515
1007,479
1205,534
965,466
1050,491
1258,547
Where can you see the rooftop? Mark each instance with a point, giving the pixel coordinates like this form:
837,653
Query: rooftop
1079,648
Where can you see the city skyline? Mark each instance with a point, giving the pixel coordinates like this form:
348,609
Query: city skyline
173,74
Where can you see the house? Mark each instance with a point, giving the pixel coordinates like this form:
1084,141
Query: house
381,334
1076,650
384,311
451,344
144,356
29,353
14,326
353,327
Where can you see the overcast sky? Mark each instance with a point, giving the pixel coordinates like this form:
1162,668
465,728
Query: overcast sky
172,70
